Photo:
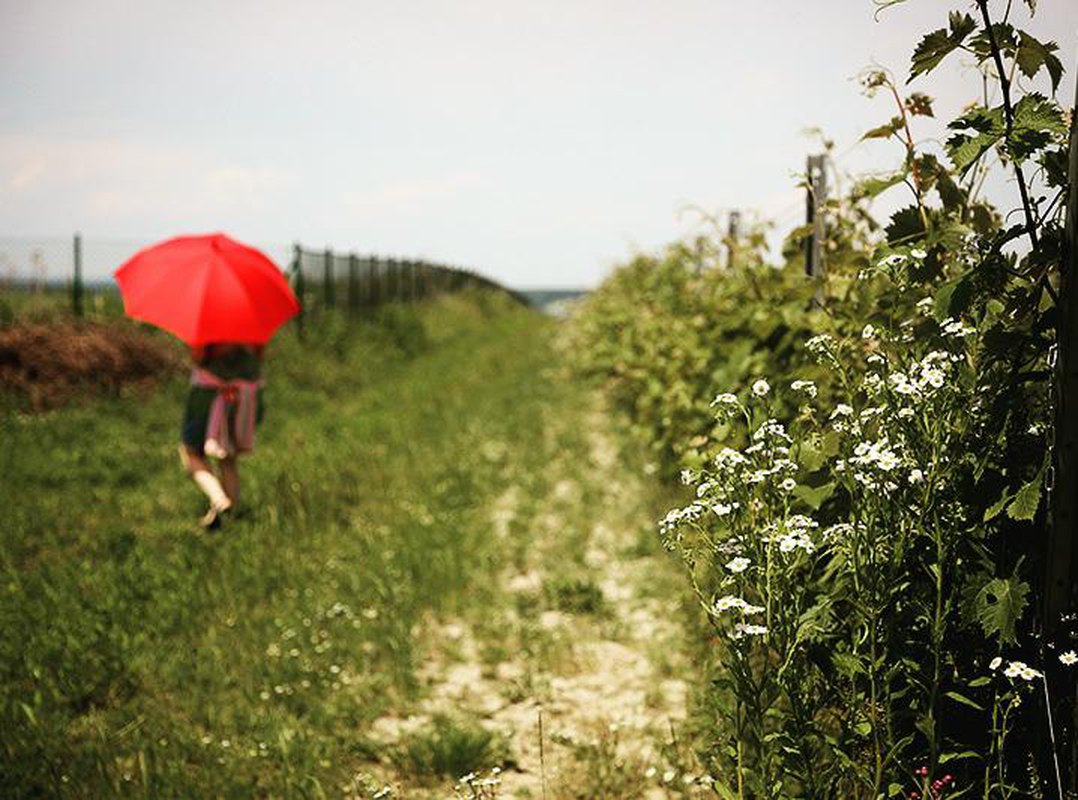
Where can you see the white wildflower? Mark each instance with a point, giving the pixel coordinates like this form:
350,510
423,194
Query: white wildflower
1019,669
808,387
723,509
725,399
956,328
993,665
1069,658
868,332
737,565
761,388
747,629
819,345
916,476
788,485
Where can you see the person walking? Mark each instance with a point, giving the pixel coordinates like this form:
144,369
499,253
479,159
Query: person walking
224,406
225,300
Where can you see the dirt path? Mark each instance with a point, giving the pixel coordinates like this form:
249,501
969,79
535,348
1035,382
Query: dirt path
579,669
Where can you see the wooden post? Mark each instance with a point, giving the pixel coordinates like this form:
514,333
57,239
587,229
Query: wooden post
815,198
76,277
353,283
1061,569
733,231
329,288
376,286
299,285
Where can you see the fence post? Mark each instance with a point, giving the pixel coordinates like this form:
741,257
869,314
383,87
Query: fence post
733,231
816,197
376,282
299,285
392,280
353,283
329,288
76,277
1060,567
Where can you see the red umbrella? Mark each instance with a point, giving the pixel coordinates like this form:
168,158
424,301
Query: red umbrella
207,289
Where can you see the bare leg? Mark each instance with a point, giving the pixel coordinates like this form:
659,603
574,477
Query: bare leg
230,478
201,473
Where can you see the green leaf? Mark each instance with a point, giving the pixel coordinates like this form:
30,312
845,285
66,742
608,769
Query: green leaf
951,194
1027,500
885,131
937,45
814,498
1032,55
999,606
810,454
947,757
906,225
980,129
994,510
1037,122
954,297
878,184
960,698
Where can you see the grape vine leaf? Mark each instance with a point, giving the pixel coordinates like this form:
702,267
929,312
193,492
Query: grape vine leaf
980,129
1032,55
938,44
1000,604
906,225
1025,503
875,185
885,131
1036,121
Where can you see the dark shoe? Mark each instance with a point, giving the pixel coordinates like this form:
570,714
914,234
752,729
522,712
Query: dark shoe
213,517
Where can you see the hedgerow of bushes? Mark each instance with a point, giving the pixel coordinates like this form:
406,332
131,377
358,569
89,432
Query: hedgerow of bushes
867,454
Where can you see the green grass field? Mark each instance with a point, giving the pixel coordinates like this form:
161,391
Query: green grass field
142,658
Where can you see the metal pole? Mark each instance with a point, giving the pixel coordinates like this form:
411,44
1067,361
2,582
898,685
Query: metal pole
76,281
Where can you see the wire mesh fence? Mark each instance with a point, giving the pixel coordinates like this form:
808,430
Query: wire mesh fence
79,271
352,282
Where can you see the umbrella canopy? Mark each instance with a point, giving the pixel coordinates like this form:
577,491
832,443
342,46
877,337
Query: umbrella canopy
207,289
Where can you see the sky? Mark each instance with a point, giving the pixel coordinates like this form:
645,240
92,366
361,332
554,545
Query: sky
540,143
